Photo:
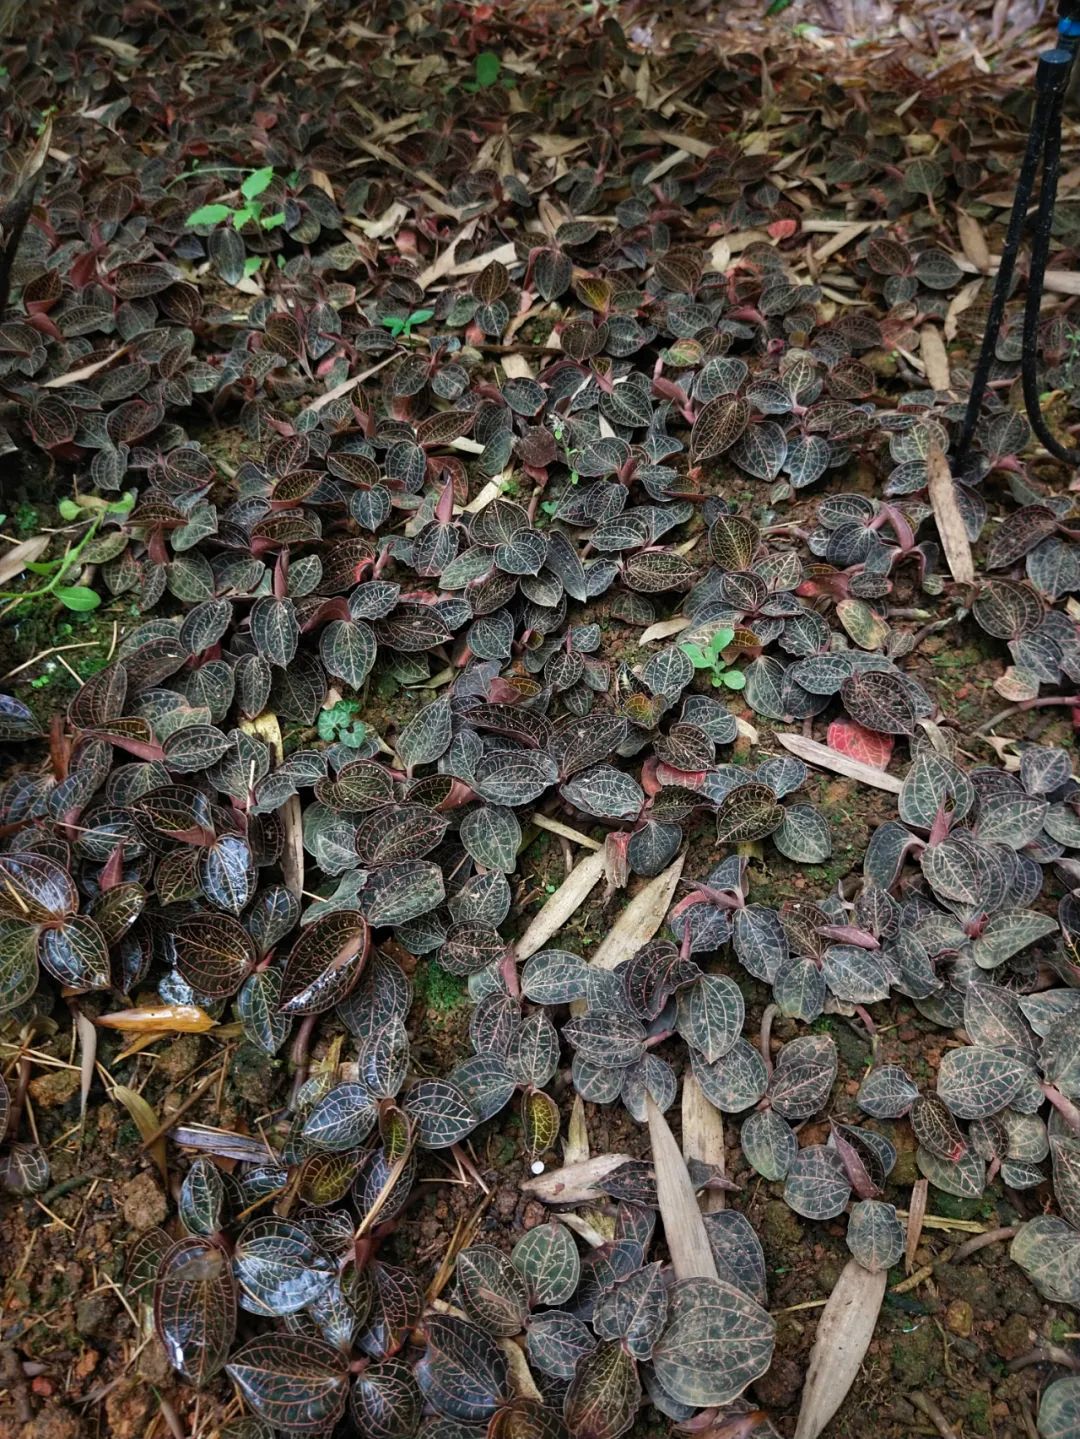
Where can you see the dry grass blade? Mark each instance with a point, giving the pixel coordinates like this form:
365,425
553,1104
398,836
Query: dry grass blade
684,1228
947,517
641,918
844,1332
567,899
826,758
574,1183
148,1125
916,1214
576,1143
87,1058
555,826
702,1137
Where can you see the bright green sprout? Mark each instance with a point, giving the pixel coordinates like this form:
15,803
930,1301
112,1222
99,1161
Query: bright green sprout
250,189
402,324
712,658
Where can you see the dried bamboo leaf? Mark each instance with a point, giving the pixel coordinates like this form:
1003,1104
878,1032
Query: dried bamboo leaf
703,1137
934,357
567,899
574,1183
826,758
641,918
916,1214
147,1123
576,1143
947,517
684,1227
87,1033
15,560
664,629
844,1332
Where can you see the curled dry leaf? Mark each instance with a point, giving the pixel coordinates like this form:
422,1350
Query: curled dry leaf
574,1183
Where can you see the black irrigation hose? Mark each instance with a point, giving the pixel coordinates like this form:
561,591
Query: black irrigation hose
1040,250
1044,143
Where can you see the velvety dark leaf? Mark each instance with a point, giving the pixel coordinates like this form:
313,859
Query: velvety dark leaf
325,963
463,1375
296,1383
717,1341
603,1397
195,1307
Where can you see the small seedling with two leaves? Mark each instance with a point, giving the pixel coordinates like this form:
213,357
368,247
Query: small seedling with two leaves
401,325
252,209
712,658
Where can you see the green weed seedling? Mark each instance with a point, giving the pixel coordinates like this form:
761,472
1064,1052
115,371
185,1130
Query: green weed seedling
252,208
79,598
402,324
712,658
339,722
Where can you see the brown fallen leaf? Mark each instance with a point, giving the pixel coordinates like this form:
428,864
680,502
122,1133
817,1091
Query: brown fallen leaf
684,1228
820,754
569,897
15,560
641,918
961,301
702,1137
934,357
947,517
973,241
574,1183
844,1332
916,1215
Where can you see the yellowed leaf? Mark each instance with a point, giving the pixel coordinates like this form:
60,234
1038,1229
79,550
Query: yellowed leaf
181,1018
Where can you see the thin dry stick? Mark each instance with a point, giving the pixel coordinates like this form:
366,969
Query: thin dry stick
926,1406
980,1241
